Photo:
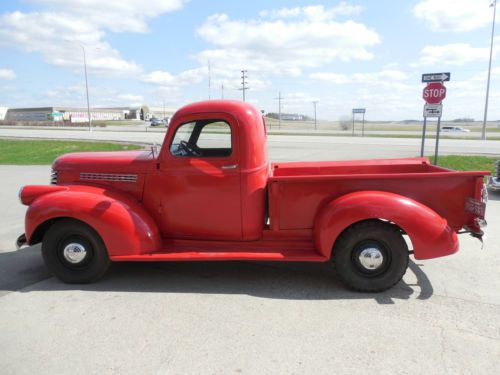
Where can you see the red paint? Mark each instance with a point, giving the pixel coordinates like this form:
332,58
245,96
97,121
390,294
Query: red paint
434,93
164,207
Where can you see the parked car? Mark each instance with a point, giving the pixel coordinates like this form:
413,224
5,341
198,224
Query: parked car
210,194
457,129
494,181
156,122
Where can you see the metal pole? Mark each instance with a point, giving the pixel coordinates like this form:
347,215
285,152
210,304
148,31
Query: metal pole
483,132
209,81
436,151
424,129
315,120
363,128
86,87
353,124
222,91
279,110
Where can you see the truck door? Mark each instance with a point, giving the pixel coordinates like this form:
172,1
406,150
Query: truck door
200,196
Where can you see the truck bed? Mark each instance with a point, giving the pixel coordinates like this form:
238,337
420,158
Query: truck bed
298,190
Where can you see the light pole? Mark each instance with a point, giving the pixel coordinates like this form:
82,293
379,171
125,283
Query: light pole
315,122
86,80
483,133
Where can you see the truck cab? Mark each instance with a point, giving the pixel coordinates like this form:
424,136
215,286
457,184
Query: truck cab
210,193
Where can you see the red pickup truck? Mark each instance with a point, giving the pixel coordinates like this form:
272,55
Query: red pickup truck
211,194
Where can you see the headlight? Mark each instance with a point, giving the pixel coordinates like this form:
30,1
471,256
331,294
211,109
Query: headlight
19,194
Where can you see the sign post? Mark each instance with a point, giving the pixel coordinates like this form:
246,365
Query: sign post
433,94
359,110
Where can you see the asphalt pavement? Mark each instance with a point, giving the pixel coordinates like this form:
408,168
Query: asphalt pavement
246,317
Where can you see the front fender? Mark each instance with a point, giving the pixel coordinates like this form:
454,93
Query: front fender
123,224
429,232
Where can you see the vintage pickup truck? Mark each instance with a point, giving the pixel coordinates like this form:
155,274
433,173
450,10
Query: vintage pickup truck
210,194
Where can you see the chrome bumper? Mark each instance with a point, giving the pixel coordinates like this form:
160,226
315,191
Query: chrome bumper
21,241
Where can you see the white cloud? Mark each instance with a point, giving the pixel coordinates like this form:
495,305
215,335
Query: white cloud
386,77
302,38
452,54
8,74
115,15
82,22
130,97
186,77
314,12
454,15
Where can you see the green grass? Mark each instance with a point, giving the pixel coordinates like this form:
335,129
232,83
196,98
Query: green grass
33,152
467,163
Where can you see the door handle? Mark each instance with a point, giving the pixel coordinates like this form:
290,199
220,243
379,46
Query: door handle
232,166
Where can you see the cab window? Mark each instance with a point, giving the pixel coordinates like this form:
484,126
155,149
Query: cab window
204,138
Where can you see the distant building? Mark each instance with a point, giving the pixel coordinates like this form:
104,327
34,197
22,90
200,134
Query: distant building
69,114
3,112
75,115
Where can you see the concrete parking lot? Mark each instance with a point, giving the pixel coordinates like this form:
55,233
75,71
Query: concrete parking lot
237,317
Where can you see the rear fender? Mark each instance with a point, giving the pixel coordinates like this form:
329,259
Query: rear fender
429,232
123,224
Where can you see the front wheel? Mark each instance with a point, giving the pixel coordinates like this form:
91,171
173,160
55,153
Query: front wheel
371,256
74,252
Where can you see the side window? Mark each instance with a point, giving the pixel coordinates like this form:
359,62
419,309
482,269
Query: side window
205,138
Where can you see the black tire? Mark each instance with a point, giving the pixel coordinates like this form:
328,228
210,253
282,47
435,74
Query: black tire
90,268
373,238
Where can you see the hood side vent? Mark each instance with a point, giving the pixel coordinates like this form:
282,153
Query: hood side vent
115,177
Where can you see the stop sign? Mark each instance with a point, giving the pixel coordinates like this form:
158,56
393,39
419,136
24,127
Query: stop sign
434,93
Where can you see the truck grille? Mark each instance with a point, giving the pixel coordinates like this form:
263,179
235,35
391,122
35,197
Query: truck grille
53,177
115,177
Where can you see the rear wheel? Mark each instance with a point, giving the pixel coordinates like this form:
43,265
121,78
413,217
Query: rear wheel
371,256
74,252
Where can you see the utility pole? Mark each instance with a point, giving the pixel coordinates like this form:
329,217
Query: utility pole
279,109
86,80
222,91
483,132
209,81
315,121
244,83
163,109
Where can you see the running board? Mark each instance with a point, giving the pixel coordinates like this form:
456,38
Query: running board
187,255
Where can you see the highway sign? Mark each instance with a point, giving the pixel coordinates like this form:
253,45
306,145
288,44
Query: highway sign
433,110
434,93
358,110
436,77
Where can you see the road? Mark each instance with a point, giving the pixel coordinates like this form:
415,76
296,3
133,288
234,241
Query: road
290,147
237,317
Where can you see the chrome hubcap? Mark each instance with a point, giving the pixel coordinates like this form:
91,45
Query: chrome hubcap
371,258
74,252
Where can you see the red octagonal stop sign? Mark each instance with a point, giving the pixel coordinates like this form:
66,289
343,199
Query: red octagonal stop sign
434,93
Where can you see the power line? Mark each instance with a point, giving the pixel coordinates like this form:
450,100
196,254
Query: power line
244,83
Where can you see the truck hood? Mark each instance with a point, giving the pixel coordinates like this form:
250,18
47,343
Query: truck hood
115,161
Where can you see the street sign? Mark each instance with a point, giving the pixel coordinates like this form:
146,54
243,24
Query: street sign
358,110
434,93
433,110
436,77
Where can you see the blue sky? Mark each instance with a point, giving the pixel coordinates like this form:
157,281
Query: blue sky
344,54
